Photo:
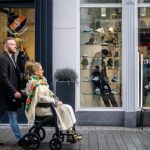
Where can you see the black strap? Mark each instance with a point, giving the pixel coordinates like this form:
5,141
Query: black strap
44,105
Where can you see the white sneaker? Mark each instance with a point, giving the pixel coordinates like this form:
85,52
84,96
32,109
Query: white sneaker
100,30
115,79
88,30
95,79
113,91
97,91
147,87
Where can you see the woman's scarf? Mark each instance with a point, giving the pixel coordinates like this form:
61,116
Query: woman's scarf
35,82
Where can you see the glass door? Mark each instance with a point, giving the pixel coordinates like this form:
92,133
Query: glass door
144,55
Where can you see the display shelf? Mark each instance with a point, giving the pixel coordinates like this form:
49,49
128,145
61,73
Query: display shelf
99,94
91,44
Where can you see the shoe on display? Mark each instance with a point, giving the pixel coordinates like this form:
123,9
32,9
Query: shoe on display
95,79
106,79
84,61
115,79
97,91
111,29
96,61
117,63
116,54
147,87
90,42
100,30
106,91
110,62
105,44
105,52
113,91
109,54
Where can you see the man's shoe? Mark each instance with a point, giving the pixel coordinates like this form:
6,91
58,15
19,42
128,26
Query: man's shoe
20,143
1,144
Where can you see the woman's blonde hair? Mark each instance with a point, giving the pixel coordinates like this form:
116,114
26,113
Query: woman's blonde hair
31,68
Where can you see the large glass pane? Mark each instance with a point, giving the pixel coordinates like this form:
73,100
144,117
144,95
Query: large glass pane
20,24
144,49
100,1
143,1
100,57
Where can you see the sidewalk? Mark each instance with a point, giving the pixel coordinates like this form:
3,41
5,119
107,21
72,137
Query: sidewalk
95,138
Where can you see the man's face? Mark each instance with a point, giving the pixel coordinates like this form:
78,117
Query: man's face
10,45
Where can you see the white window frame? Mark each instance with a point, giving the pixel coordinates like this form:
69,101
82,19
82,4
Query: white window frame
102,5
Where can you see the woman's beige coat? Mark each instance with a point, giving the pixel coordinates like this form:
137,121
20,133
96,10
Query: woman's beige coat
66,117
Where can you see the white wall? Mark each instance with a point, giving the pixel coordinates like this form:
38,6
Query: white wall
64,34
66,38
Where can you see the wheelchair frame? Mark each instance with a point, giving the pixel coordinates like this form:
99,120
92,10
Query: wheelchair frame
36,134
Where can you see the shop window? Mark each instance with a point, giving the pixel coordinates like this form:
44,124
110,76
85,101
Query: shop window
100,57
143,1
100,1
144,49
20,24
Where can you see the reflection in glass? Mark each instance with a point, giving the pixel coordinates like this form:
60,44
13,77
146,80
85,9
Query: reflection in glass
100,1
100,56
143,1
19,23
144,51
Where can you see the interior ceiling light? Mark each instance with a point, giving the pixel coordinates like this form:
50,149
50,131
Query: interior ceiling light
103,12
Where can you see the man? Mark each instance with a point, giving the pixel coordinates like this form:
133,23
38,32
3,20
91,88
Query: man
10,86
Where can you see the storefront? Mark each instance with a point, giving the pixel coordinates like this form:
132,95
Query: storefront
30,23
110,36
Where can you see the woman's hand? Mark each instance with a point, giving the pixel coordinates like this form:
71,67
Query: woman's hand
60,103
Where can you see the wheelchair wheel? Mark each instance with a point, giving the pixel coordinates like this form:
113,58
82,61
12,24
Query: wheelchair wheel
60,136
38,131
55,144
30,141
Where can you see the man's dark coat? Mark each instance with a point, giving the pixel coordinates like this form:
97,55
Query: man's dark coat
9,83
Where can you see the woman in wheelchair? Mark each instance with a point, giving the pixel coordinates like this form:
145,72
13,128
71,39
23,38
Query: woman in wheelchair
37,90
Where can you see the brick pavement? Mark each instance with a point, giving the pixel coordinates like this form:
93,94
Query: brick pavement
95,138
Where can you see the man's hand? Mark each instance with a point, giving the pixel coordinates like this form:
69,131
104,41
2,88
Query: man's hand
17,95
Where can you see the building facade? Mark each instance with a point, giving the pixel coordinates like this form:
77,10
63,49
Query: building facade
111,35
105,42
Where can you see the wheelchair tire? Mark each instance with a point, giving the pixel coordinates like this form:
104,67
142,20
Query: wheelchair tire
60,136
30,141
39,131
55,144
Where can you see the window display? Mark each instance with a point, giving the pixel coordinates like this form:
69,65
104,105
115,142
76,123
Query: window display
20,24
100,53
143,1
101,1
144,51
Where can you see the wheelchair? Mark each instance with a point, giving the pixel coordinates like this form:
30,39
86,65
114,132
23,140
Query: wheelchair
36,134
